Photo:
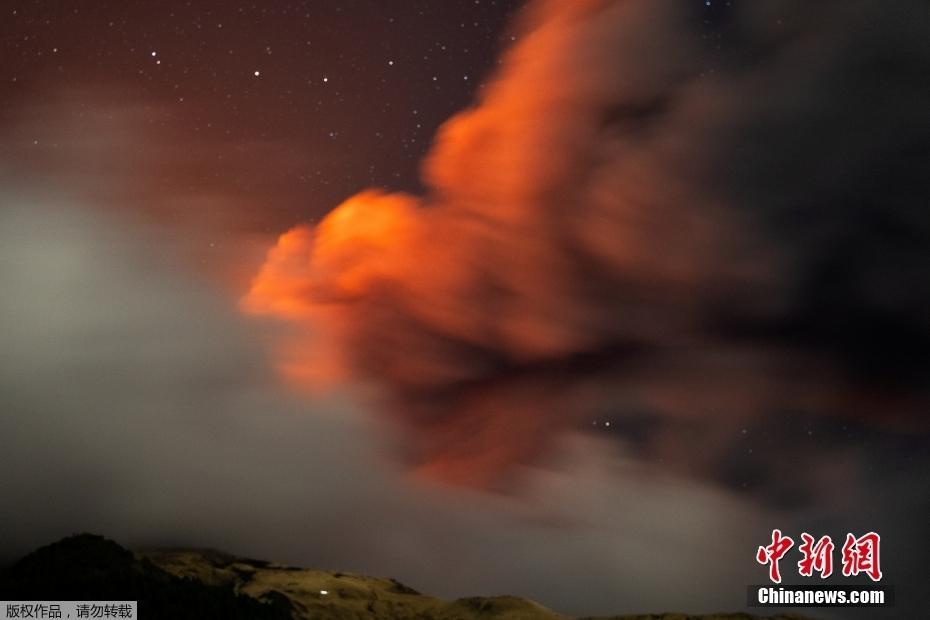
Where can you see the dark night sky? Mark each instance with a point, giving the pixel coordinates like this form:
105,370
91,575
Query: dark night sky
348,93
641,280
353,91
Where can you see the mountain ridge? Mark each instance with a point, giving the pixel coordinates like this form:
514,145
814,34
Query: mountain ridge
207,583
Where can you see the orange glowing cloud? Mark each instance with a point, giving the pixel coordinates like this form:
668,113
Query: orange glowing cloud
576,252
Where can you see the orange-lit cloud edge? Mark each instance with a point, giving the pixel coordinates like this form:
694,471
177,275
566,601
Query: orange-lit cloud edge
548,240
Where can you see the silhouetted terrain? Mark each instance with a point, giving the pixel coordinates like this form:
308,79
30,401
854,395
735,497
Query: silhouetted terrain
208,584
88,567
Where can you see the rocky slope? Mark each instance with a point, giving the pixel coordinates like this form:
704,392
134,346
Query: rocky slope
206,584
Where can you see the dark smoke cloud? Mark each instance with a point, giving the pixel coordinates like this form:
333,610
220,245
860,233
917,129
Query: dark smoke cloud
691,230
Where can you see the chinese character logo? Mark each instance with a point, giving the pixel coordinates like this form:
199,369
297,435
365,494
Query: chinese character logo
773,553
859,555
817,556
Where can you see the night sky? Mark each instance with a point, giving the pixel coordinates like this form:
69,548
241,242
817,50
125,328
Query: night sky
350,93
571,300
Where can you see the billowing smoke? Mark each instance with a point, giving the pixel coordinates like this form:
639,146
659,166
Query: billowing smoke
685,226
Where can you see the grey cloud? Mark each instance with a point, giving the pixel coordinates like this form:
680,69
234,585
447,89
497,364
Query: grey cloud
138,404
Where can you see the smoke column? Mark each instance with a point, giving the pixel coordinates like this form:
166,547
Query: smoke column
710,223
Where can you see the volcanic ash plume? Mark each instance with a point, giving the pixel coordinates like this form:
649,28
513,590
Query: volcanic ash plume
644,212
